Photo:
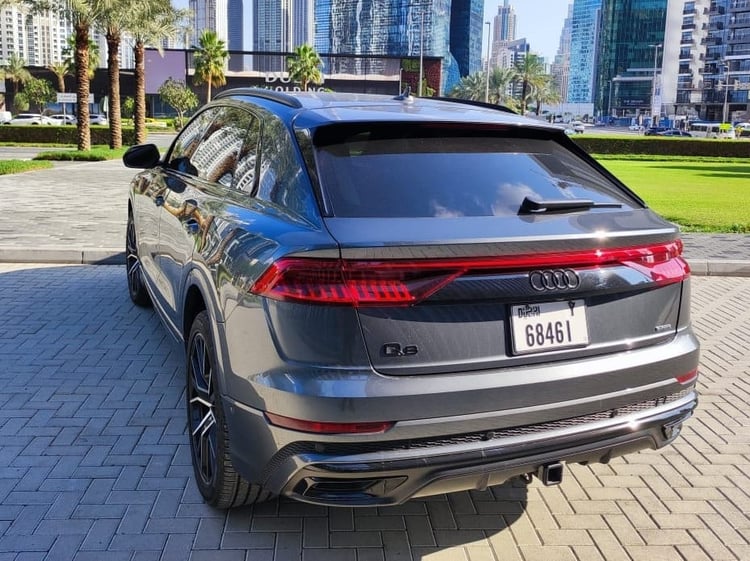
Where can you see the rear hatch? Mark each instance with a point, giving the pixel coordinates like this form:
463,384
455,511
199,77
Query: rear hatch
467,249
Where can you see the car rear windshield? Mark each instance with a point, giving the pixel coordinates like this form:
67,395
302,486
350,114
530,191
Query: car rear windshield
398,170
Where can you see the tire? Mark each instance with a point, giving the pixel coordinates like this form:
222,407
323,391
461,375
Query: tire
136,288
218,482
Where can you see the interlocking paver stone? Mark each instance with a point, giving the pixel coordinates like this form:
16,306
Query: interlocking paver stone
94,462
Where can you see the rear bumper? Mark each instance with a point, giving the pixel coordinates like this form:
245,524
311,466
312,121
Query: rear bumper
391,472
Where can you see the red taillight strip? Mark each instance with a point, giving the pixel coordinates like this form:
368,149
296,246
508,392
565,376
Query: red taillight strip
687,378
328,428
405,282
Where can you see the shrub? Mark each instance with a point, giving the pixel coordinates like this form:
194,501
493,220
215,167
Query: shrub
58,134
658,146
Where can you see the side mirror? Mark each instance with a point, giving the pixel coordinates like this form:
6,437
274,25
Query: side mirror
142,156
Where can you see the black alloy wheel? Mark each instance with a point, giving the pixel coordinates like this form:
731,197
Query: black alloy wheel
201,417
138,293
218,482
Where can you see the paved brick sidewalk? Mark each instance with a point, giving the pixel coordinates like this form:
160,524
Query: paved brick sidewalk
94,459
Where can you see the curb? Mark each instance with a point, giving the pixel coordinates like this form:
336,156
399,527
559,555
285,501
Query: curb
719,268
59,256
110,256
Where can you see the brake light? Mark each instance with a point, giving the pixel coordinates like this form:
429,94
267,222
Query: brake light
405,282
687,378
328,428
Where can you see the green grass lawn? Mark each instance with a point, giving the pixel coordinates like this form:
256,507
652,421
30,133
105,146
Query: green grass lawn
96,154
701,196
20,166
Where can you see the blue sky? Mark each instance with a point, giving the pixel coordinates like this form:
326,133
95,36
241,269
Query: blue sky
540,21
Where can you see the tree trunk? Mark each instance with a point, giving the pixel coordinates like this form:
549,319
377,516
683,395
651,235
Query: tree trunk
82,84
139,109
113,73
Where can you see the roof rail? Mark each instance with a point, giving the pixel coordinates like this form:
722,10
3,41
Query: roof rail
272,95
477,104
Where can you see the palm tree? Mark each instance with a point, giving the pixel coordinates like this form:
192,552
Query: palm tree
149,23
15,70
475,86
530,72
210,58
304,66
70,59
113,21
60,70
547,92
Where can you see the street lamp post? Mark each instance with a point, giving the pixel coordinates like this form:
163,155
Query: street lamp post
609,100
725,108
655,112
421,52
487,76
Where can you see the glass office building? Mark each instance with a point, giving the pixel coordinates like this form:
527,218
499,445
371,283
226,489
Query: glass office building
584,33
467,27
630,57
396,28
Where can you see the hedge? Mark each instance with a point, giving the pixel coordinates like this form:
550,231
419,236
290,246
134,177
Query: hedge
60,134
657,146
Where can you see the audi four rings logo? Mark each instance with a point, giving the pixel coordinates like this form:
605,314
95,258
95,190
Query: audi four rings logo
555,279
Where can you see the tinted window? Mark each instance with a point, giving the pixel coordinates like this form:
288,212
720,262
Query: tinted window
429,172
247,162
282,179
187,142
215,158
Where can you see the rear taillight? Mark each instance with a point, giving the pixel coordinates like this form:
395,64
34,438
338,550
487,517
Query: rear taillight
687,378
406,282
328,428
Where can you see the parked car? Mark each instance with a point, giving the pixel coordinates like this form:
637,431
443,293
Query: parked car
636,128
5,117
31,119
382,298
64,119
98,119
674,132
652,131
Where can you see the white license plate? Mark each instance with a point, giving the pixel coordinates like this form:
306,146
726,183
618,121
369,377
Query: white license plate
547,326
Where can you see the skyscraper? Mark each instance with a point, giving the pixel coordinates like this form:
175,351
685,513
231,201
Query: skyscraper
560,68
630,54
210,14
467,21
235,32
503,34
387,27
505,23
279,26
584,33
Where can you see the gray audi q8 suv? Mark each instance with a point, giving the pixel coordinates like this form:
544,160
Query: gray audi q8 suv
383,298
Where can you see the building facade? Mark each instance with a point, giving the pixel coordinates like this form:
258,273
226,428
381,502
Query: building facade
398,28
560,68
584,36
210,14
630,54
38,38
466,28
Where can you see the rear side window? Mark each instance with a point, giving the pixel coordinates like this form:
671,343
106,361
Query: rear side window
416,171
